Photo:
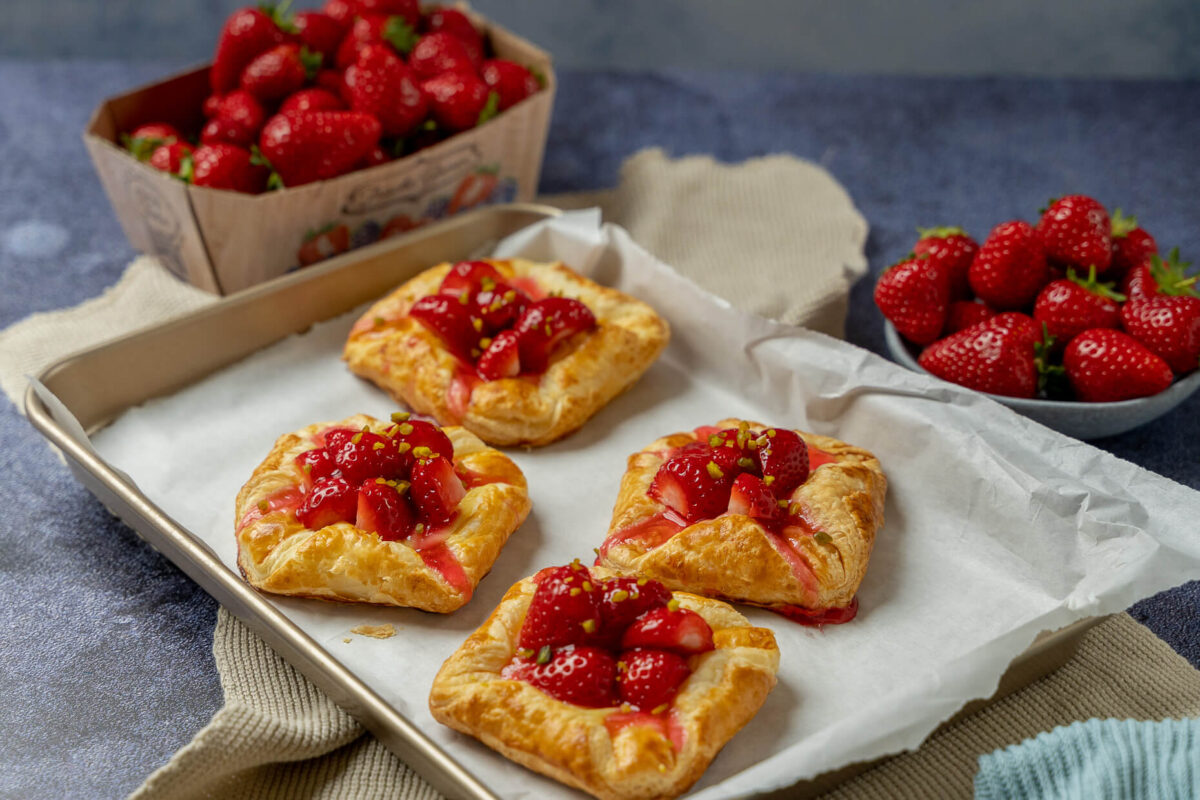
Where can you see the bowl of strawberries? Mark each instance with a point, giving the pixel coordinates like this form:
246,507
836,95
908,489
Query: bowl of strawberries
1077,321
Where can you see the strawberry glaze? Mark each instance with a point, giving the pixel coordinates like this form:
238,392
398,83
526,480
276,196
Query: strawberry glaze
817,457
458,395
816,617
652,532
287,499
529,286
667,725
441,560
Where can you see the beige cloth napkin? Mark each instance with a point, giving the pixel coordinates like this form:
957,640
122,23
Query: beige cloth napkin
776,236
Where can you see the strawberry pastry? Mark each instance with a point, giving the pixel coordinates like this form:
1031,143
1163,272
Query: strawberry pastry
402,513
516,352
614,685
766,516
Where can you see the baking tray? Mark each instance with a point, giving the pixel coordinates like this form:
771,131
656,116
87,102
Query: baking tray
96,386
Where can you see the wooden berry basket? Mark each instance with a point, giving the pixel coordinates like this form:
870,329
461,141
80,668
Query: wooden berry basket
223,241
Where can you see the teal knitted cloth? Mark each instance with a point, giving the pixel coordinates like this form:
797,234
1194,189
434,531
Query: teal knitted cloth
1097,759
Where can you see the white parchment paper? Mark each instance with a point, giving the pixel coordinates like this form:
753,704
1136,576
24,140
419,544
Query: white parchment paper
997,528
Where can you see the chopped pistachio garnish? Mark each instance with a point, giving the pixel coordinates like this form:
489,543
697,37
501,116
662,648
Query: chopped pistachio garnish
510,295
587,586
377,446
745,462
487,283
477,324
405,429
485,342
476,352
673,604
356,438
823,538
422,451
626,707
620,596
662,767
465,297
543,656
379,321
525,652
715,441
589,625
420,528
546,328
783,504
381,481
400,416
641,581
307,469
622,666
769,479
770,433
714,471
659,709
575,592
403,447
264,506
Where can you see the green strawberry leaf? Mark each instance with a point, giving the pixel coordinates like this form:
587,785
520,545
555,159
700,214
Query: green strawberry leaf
311,61
281,15
538,76
940,232
490,109
400,35
187,168
1122,225
1094,286
1052,378
1170,275
142,147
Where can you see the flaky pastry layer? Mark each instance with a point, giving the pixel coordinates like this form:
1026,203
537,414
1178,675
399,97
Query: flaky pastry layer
734,557
410,363
277,554
571,743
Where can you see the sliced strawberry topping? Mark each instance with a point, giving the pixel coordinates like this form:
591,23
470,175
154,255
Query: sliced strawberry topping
545,324
740,444
624,600
784,459
468,276
383,509
436,491
286,499
565,609
585,676
334,438
666,628
451,321
649,679
692,485
331,500
417,433
499,305
314,465
501,359
367,455
752,497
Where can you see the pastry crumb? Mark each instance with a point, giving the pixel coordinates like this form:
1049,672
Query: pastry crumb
375,631
346,640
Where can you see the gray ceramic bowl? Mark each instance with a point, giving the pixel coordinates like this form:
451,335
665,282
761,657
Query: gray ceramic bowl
1078,419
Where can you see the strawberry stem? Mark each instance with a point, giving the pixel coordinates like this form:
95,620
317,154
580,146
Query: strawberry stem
400,35
1122,225
941,232
1095,287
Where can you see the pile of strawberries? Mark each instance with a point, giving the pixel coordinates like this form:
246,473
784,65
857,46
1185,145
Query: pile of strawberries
1079,306
598,643
308,96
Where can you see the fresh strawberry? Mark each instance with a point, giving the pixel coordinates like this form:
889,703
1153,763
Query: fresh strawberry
965,313
424,439
384,510
751,497
243,108
410,10
499,305
315,465
784,459
246,34
341,11
458,25
1075,231
211,104
1106,365
278,72
468,276
584,676
953,249
312,99
987,357
502,358
1156,276
450,320
329,501
737,444
545,324
220,130
649,679
365,456
914,295
1131,246
1169,326
459,100
331,81
323,243
564,609
174,158
320,33
1072,306
509,80
1010,267
624,600
143,140
436,491
693,486
440,52
1028,332
225,166
379,83
670,628
308,146
380,155
375,29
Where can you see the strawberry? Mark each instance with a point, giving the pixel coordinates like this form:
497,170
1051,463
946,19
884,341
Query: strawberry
1156,276
375,29
323,243
545,324
436,491
502,358
625,599
784,460
1010,267
670,628
468,276
739,444
312,99
409,10
1027,331
219,130
279,71
341,11
438,52
1069,307
584,676
174,158
1131,245
458,25
329,501
246,34
211,104
320,33
995,357
965,313
953,249
450,320
315,465
499,305
693,486
308,146
565,605
511,82
914,295
331,81
751,497
649,679
143,140
225,166
365,456
417,433
243,108
1168,326
383,509
379,83
1105,365
1075,230
380,155
459,100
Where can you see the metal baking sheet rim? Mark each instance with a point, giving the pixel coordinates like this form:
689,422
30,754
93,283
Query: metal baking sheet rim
1050,651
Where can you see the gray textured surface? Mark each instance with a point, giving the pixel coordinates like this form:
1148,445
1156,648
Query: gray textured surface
105,667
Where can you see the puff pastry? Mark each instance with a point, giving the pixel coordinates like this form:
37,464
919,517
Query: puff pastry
589,748
815,563
278,554
412,364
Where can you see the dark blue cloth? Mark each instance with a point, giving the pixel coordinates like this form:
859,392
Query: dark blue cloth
105,664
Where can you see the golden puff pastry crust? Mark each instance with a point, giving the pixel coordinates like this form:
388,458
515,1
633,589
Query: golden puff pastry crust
410,362
278,554
816,563
571,743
